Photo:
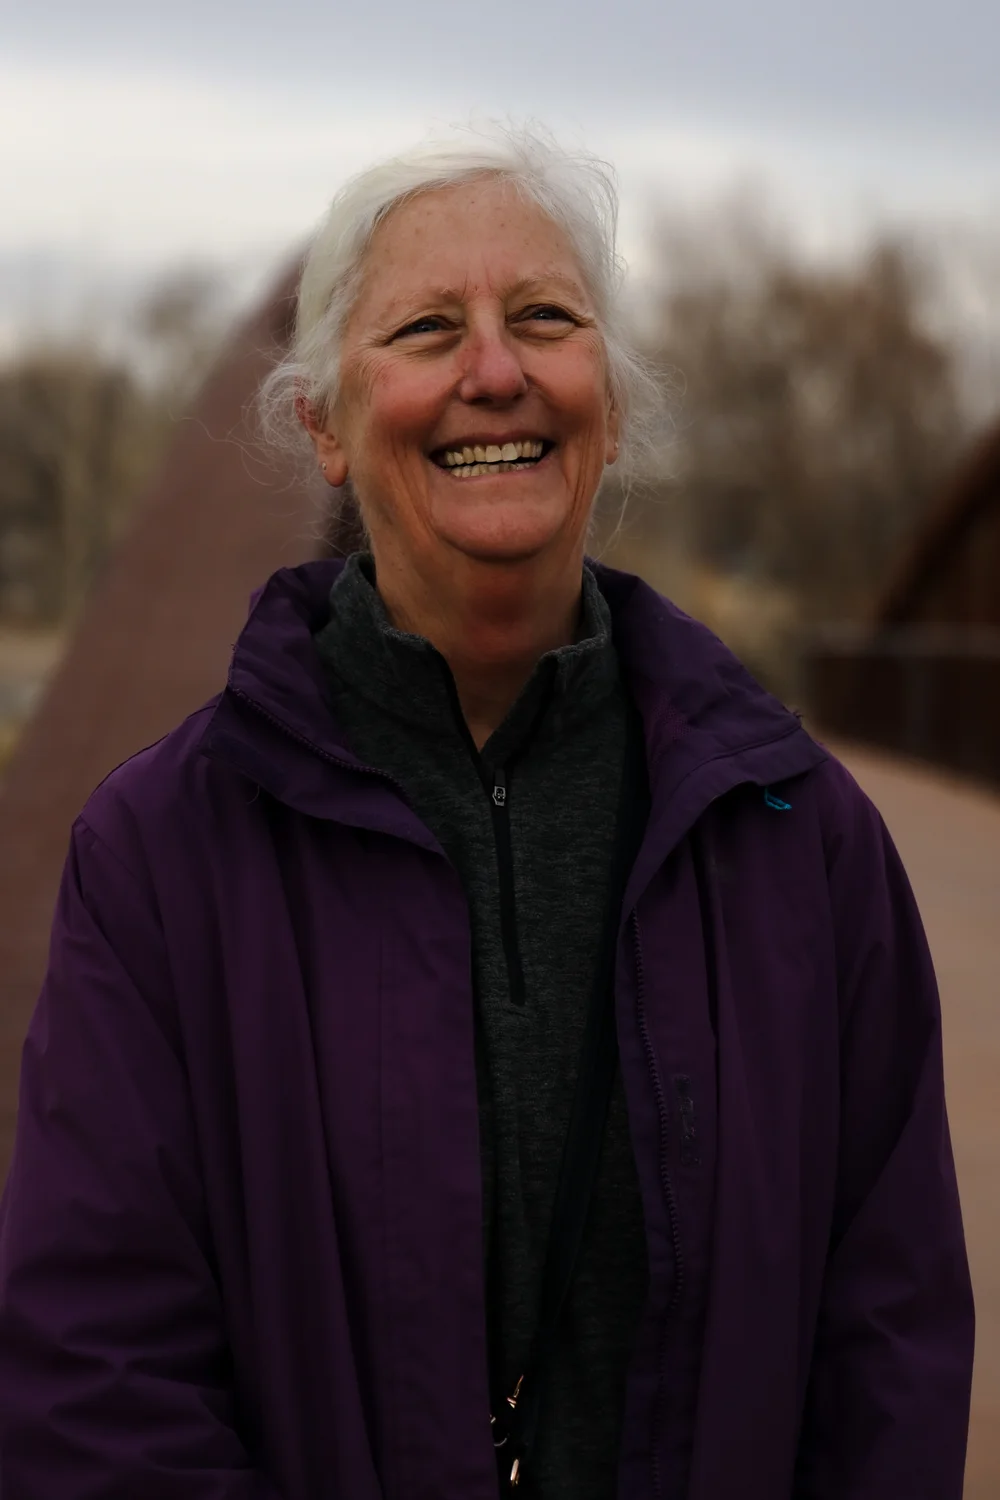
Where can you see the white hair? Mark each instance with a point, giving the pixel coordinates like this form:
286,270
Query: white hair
577,191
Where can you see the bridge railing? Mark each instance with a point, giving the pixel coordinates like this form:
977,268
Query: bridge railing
929,691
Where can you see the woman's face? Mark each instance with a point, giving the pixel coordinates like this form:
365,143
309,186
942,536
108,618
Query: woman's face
474,414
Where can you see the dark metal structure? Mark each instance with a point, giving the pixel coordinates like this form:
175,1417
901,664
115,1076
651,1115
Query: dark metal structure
923,678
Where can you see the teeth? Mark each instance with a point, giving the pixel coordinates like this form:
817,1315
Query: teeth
463,460
470,471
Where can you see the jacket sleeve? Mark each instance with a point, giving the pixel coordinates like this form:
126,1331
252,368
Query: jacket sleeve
888,1399
115,1378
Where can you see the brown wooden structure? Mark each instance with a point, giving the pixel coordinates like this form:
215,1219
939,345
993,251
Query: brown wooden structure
924,677
153,643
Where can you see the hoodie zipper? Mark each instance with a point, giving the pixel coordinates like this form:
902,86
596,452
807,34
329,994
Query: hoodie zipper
498,786
668,1193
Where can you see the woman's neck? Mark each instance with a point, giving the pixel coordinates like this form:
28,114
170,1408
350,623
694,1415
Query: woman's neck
492,623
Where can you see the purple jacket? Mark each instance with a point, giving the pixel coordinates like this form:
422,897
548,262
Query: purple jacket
241,1247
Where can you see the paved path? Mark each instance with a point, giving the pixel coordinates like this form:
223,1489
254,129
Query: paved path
949,838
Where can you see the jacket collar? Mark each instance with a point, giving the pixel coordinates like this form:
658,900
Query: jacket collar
708,725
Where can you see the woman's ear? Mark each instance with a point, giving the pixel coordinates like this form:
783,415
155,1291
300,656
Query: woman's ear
330,455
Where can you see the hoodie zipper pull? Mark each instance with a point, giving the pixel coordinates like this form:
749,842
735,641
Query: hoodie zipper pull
499,788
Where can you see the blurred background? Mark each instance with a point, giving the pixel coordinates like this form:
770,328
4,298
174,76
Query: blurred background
811,214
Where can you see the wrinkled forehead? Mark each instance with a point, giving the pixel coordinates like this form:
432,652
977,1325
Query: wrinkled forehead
482,237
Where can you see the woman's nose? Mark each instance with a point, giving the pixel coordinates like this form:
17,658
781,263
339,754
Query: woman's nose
491,368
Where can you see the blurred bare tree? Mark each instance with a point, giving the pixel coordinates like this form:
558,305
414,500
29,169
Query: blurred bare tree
76,437
178,330
80,433
818,417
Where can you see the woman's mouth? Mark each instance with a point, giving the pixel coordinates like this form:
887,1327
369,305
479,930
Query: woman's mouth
492,458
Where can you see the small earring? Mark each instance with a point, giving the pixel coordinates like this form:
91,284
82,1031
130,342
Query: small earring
323,467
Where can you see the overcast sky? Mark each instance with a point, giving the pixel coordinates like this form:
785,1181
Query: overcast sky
133,135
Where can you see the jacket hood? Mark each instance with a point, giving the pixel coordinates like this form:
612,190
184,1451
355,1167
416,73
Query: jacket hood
701,708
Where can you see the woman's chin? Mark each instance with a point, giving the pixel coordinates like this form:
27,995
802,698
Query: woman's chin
501,532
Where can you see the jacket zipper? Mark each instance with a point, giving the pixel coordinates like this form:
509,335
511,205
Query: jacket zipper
668,1193
301,739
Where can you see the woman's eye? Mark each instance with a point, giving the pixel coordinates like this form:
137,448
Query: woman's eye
549,313
422,325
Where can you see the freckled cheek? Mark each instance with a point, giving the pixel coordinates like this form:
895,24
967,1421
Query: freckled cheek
403,414
578,387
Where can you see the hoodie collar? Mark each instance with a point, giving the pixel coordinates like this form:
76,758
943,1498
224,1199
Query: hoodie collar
405,677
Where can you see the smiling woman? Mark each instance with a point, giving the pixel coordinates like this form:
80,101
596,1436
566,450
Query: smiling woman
575,193
473,329
491,1040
